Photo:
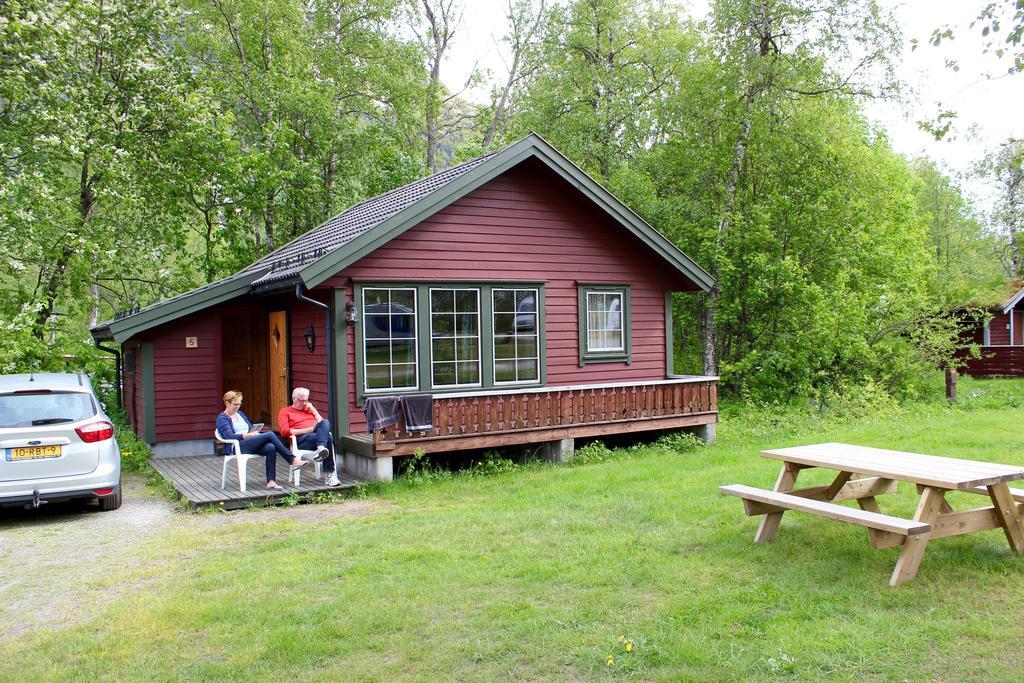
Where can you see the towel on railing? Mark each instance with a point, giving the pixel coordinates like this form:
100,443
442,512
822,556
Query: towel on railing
381,412
419,412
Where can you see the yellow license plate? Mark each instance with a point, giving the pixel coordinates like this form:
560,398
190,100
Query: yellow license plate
35,452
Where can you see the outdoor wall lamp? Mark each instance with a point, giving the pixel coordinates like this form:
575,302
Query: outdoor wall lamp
350,313
310,338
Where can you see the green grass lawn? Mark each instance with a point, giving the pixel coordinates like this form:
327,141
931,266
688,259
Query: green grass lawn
634,567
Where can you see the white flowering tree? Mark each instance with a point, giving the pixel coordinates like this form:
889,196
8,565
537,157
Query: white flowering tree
89,99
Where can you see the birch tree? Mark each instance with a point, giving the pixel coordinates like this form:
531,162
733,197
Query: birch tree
600,69
778,46
525,21
1004,168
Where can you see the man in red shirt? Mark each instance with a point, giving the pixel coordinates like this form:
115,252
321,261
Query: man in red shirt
312,432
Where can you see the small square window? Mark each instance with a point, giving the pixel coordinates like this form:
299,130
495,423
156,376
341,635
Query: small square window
604,324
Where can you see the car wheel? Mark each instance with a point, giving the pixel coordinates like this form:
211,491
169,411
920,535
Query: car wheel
111,502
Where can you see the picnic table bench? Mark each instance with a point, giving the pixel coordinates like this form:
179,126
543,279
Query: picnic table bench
865,473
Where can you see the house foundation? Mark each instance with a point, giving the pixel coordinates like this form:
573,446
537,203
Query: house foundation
706,432
558,451
369,469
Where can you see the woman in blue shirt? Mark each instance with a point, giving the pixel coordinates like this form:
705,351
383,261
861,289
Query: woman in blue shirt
233,424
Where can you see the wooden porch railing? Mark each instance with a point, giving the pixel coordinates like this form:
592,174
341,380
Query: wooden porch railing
481,413
1000,361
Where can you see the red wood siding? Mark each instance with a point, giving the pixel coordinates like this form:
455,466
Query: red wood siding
308,369
186,382
999,333
999,330
530,225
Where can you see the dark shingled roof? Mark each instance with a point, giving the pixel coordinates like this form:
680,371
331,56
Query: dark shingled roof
337,231
311,258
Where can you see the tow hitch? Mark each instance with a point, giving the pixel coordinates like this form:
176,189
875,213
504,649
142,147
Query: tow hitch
36,502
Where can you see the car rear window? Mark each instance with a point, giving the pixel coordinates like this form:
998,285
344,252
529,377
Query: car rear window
33,410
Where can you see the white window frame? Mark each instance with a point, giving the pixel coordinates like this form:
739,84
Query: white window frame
479,340
415,342
536,336
621,348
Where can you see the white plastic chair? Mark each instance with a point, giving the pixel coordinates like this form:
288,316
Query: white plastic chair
237,455
304,455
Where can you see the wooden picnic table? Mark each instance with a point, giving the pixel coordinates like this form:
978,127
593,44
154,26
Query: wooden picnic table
865,473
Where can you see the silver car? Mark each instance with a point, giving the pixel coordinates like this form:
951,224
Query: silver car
56,443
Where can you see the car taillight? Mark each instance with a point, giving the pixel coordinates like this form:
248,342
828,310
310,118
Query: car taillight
95,431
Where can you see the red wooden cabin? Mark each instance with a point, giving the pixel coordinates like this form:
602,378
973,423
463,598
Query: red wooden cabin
531,304
1001,340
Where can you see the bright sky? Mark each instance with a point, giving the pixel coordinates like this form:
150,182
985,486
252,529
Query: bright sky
988,105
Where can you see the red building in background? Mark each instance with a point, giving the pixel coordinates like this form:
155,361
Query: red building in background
1001,340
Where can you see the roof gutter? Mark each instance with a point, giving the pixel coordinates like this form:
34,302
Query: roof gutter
275,286
101,333
329,317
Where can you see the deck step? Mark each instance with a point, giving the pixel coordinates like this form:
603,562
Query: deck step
873,520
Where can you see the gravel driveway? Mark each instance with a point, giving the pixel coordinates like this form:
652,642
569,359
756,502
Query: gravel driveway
62,559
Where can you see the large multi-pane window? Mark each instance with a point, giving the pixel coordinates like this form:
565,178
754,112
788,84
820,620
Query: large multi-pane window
515,335
389,338
448,336
454,337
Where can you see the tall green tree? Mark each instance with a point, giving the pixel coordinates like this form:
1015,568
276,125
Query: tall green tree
963,253
315,94
779,51
596,77
89,96
1004,169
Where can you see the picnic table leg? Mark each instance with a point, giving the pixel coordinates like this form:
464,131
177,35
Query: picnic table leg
913,548
1008,515
770,523
946,507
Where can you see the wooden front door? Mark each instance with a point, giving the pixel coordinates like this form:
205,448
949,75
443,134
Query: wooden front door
244,359
277,350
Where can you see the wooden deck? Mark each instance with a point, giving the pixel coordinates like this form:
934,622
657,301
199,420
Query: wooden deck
492,419
996,361
197,479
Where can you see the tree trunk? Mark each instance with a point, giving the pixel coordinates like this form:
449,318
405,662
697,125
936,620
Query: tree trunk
55,271
732,182
329,173
499,109
94,312
268,221
439,21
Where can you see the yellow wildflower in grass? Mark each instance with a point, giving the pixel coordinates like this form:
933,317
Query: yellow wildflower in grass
611,660
629,646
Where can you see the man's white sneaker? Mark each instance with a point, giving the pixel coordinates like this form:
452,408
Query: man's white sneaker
331,479
321,453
